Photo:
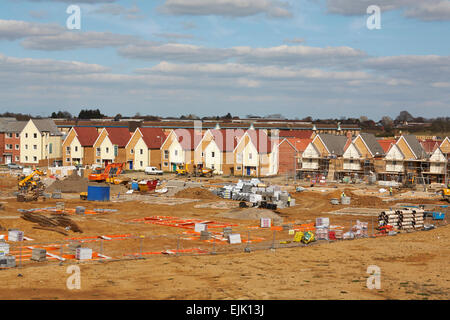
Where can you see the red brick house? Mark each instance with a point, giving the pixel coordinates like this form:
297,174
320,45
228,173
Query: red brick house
10,130
290,150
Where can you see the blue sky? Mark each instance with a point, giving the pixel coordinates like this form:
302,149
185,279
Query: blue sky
209,57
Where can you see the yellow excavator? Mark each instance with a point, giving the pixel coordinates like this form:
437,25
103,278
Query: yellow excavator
30,188
446,193
193,170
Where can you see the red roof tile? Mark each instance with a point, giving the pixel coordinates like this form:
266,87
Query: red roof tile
299,144
119,136
86,135
227,139
300,134
188,139
386,144
153,137
260,140
430,145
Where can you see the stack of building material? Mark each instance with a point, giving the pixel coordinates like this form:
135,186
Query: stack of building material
15,235
406,218
7,262
73,246
336,232
83,254
265,223
418,218
226,232
4,249
389,218
360,229
38,254
322,225
205,235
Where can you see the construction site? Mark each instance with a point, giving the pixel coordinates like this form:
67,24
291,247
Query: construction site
199,236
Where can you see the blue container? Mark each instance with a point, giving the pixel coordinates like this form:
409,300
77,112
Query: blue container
98,193
135,186
438,216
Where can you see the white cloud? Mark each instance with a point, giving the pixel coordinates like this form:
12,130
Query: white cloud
229,8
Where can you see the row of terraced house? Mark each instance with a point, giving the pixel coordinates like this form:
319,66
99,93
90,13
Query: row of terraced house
333,153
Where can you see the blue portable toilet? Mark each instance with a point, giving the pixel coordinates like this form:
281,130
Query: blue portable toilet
134,186
98,193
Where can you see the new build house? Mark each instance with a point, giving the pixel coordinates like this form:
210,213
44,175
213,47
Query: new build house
178,148
290,151
256,154
318,155
144,148
10,140
360,156
40,143
216,149
78,146
110,145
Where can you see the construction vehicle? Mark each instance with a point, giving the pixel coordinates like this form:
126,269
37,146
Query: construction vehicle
30,188
192,170
446,194
109,174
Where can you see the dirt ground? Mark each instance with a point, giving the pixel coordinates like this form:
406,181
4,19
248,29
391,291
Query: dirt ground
413,265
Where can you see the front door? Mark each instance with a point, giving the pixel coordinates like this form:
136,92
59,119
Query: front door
8,159
131,164
174,167
248,171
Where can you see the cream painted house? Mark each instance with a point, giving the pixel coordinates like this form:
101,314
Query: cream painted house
310,158
109,147
40,143
438,162
352,158
394,160
144,148
77,147
178,148
256,154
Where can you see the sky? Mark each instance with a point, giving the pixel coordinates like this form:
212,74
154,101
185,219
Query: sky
297,58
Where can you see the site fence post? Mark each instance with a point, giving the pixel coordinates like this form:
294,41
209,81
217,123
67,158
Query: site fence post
178,245
214,245
101,249
61,251
273,240
140,246
20,257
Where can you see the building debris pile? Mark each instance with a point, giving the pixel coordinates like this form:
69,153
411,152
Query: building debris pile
256,192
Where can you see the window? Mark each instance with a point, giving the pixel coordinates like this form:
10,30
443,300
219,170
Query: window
50,148
166,164
34,135
26,147
142,151
98,160
98,152
116,151
35,146
203,154
17,159
176,152
212,166
7,146
250,156
166,154
9,135
141,163
131,151
34,158
239,157
68,159
212,155
76,148
107,150
68,150
17,135
17,147
26,135
238,168
26,158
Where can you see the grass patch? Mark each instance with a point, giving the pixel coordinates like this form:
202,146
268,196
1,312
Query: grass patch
423,294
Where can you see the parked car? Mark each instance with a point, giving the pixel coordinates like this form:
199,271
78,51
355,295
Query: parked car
14,166
153,170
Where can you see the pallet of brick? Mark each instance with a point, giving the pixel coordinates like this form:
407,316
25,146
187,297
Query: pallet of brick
83,254
205,235
38,254
4,249
7,262
265,222
15,235
322,233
